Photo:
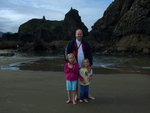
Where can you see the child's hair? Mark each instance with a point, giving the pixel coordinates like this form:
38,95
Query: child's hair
74,59
85,61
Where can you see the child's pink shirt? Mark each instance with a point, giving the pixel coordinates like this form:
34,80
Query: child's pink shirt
72,74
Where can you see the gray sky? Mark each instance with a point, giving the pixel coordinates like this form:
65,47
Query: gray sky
13,13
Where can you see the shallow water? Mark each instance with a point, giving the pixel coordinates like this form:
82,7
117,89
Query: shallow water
101,64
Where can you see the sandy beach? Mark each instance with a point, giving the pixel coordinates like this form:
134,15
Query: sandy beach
44,92
9,60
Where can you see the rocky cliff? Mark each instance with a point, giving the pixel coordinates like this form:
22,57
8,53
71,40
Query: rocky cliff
72,21
47,30
124,27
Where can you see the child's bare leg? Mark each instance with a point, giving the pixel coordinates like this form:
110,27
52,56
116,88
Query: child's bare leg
73,97
91,97
76,93
69,97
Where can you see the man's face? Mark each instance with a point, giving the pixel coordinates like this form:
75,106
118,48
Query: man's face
79,35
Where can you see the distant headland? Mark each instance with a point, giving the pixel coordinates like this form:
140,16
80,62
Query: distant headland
123,29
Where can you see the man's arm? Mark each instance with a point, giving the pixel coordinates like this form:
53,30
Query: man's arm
68,49
89,53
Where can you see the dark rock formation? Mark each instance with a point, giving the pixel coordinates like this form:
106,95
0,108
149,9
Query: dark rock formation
124,27
40,29
46,30
10,36
72,22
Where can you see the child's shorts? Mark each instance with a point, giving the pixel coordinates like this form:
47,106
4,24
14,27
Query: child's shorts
71,85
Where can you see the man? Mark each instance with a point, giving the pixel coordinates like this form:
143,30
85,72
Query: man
81,49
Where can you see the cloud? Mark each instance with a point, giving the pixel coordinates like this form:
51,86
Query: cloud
15,12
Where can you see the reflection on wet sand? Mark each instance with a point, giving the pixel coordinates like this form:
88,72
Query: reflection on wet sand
101,65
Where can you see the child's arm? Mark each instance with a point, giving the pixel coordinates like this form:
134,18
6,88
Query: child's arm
80,76
75,68
90,74
67,69
89,68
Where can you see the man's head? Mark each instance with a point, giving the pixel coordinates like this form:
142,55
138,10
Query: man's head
79,34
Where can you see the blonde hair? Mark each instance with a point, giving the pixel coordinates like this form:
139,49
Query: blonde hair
85,61
74,59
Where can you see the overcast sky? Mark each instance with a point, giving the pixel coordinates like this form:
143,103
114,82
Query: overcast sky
15,12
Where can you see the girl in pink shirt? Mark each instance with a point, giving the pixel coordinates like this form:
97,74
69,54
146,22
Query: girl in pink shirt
71,70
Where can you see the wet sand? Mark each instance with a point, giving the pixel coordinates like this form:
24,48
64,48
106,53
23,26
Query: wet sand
9,60
44,92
